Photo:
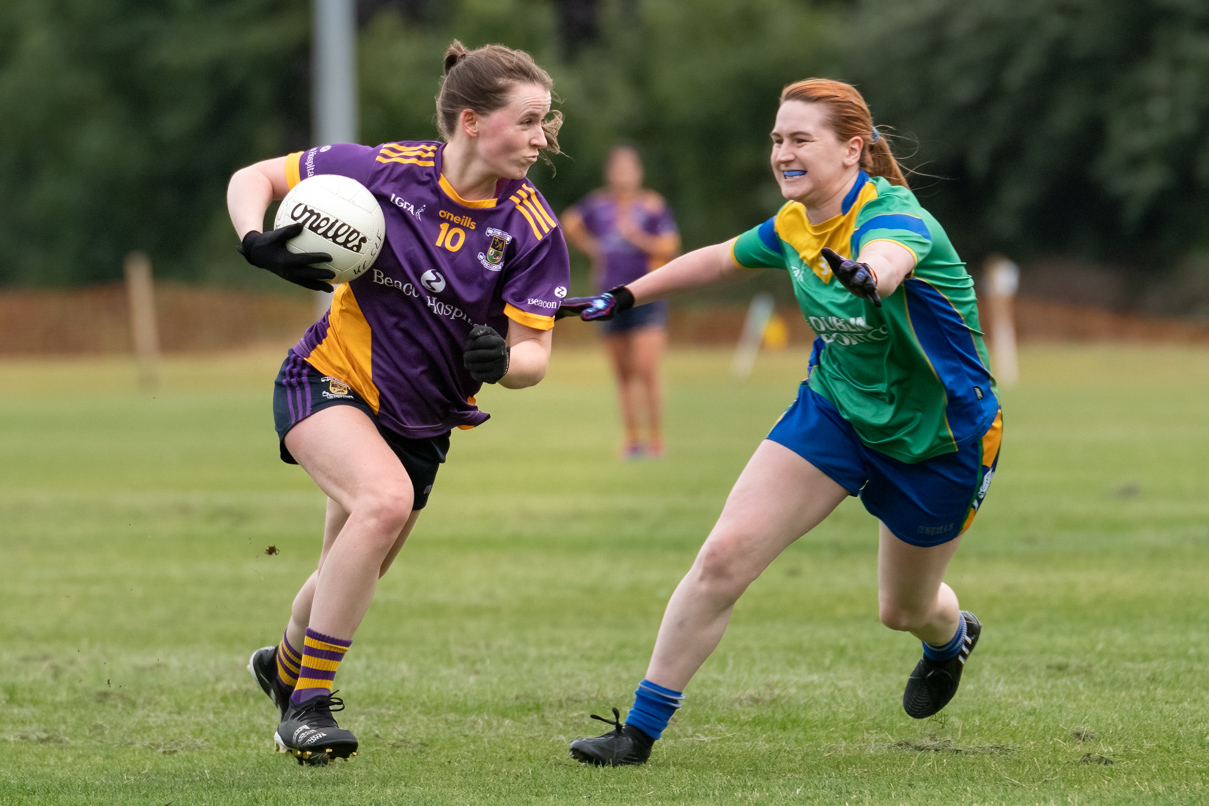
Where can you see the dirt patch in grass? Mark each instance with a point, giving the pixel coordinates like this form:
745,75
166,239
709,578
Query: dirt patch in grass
37,737
173,746
1095,758
936,744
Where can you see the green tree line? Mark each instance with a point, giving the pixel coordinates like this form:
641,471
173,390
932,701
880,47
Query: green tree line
1074,128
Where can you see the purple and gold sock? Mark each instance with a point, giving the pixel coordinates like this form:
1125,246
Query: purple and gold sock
288,663
321,656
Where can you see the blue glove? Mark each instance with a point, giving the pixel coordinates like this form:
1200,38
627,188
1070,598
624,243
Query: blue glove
858,278
597,309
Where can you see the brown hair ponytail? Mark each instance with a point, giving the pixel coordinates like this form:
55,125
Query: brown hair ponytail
481,79
456,52
849,117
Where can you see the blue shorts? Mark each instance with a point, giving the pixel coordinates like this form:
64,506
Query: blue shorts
925,503
300,391
653,314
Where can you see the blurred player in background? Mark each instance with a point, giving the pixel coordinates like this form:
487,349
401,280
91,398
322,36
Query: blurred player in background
629,231
898,408
463,293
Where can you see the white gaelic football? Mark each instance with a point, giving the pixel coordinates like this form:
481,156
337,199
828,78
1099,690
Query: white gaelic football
339,216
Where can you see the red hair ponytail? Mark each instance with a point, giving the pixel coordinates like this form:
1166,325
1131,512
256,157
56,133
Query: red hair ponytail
849,117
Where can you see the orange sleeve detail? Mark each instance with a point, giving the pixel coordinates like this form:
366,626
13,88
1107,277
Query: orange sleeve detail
292,173
533,320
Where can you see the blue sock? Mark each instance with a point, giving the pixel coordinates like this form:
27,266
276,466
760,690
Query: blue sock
653,708
950,649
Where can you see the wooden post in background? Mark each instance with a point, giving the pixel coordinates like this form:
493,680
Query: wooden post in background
141,296
1002,281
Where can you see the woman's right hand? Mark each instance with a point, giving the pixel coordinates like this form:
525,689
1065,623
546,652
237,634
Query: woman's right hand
267,250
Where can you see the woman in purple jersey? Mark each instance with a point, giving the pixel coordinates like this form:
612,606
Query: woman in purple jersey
629,231
366,400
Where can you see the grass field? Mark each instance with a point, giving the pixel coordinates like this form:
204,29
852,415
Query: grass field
136,583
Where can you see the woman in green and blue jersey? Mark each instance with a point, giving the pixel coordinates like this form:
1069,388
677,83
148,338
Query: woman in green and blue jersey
899,407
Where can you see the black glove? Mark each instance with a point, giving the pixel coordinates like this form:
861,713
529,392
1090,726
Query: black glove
266,250
597,309
856,277
485,354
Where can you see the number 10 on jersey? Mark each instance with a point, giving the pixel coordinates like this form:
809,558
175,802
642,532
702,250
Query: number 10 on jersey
451,237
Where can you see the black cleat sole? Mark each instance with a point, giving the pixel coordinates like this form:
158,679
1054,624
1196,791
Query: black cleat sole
588,758
317,756
596,761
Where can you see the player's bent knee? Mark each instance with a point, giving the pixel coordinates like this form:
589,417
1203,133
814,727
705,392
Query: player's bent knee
386,513
901,618
721,567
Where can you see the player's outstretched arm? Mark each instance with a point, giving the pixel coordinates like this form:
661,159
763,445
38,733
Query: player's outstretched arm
703,267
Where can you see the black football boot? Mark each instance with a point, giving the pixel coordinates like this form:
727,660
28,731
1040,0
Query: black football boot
309,732
623,746
934,682
263,667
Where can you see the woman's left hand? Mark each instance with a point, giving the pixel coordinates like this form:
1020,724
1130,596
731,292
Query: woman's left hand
857,277
485,354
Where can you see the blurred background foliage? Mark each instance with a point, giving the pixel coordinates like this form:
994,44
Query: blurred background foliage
1072,130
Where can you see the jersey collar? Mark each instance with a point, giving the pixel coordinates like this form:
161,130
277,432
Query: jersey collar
850,199
502,188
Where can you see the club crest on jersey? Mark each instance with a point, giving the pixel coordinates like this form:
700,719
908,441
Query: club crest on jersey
336,388
493,260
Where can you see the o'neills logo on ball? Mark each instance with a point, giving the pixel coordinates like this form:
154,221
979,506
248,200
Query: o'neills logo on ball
328,227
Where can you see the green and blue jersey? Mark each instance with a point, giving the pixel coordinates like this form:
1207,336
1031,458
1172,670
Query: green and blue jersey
912,376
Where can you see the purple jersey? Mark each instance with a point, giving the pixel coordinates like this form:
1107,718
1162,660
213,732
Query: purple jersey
395,334
623,261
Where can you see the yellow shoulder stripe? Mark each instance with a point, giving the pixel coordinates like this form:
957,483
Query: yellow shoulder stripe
396,151
407,160
411,155
530,206
537,233
417,147
535,202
